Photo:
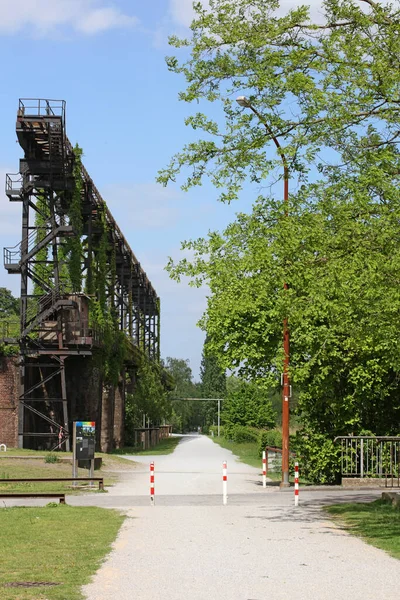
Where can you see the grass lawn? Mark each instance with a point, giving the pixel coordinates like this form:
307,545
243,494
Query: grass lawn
29,467
55,544
166,446
378,523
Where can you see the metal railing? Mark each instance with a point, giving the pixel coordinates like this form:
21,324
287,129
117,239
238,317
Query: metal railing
370,456
14,184
39,107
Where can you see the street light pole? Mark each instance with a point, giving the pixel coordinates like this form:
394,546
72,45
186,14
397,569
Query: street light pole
285,382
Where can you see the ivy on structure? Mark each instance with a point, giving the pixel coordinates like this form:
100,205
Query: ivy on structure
9,350
41,269
75,218
150,396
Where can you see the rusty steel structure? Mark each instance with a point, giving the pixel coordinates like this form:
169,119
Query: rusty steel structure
56,324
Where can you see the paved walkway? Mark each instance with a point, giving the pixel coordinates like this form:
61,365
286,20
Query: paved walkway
189,546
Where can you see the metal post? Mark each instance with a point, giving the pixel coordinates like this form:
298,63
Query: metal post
74,461
152,486
219,416
23,315
91,471
224,483
264,469
286,388
296,484
362,458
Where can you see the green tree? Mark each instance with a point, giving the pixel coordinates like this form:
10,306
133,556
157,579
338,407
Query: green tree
213,384
9,306
330,93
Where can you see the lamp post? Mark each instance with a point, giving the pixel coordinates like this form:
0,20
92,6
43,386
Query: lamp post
285,382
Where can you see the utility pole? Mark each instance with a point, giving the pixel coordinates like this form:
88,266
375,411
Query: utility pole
285,382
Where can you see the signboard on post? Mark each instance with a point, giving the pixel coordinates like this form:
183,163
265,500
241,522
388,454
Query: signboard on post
84,443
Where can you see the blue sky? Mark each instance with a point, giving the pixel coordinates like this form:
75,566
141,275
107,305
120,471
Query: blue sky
106,59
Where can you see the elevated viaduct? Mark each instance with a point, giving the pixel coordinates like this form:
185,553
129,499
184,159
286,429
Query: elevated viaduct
84,294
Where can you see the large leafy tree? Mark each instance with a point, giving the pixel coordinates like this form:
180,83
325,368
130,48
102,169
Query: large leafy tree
331,93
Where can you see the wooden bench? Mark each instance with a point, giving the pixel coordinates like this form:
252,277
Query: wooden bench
36,495
44,479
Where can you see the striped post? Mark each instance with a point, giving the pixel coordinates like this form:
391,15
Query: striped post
264,468
296,484
152,499
224,483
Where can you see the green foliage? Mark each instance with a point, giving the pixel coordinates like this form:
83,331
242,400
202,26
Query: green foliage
213,385
329,94
186,415
319,457
9,306
213,429
74,243
150,395
332,84
42,223
213,378
248,405
51,458
272,438
240,433
8,350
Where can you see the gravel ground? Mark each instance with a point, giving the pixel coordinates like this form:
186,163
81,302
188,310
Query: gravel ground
258,546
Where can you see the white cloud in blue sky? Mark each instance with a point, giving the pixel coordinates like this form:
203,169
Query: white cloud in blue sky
42,16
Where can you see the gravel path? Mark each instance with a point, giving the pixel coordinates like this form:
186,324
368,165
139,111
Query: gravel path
257,547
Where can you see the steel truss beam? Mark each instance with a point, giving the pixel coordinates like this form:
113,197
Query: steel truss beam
51,321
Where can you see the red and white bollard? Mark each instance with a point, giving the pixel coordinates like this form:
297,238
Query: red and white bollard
152,498
224,483
296,484
264,468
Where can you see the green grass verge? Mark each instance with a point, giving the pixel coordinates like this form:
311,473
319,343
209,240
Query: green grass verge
166,446
247,453
58,544
29,467
378,523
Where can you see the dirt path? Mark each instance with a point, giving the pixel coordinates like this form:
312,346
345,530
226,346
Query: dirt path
257,547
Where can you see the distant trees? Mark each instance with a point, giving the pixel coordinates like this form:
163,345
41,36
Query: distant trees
186,415
213,384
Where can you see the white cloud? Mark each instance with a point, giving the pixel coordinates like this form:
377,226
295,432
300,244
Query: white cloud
43,16
182,11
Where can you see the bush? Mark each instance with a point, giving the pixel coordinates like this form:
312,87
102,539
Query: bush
272,437
241,434
51,458
319,457
213,429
